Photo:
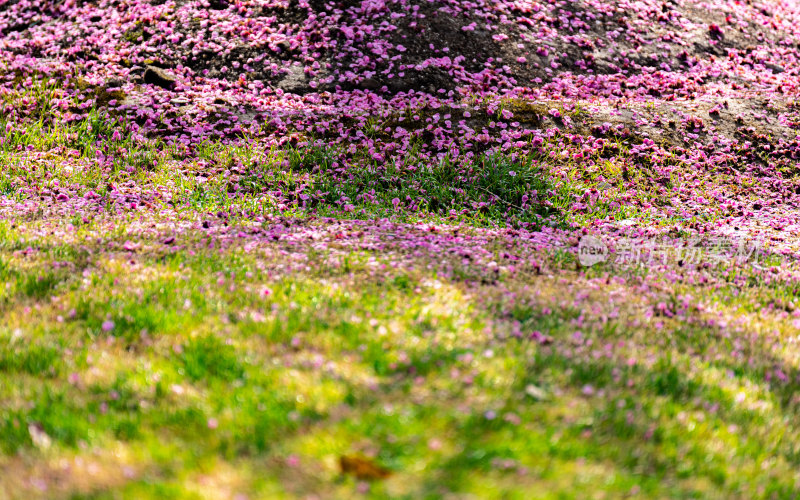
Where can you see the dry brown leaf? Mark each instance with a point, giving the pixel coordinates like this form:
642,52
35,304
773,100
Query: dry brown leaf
362,468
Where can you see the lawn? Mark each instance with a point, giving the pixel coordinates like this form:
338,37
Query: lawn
198,347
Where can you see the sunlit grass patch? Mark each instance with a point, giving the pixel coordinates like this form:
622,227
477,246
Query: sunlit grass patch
226,364
20,355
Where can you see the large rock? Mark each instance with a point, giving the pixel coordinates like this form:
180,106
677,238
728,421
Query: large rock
157,76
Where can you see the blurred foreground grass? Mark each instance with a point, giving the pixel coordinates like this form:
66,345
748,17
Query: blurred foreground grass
215,373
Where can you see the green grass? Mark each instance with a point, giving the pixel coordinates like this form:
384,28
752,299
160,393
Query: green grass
493,188
203,374
144,357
